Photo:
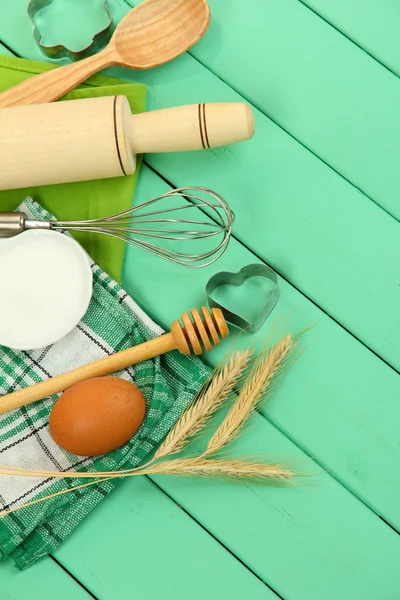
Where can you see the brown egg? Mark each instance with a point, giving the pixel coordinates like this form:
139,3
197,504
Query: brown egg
97,415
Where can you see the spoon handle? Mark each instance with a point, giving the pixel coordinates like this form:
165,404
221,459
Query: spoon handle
53,84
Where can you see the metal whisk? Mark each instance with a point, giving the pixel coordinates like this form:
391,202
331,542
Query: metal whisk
133,226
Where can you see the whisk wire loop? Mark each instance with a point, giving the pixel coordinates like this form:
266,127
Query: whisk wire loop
132,225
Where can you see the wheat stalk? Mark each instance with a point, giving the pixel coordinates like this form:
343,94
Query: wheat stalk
216,390
263,376
209,400
190,467
265,370
210,467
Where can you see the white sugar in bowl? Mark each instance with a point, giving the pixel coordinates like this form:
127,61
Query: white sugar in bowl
46,286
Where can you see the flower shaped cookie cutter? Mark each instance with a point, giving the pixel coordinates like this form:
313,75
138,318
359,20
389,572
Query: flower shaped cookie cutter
99,39
238,279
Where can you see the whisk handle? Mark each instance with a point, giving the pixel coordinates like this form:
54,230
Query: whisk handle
11,223
191,127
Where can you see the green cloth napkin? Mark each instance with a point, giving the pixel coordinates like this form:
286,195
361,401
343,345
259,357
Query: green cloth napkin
86,199
113,322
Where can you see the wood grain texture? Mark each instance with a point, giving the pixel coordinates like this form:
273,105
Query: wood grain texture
277,526
186,339
316,84
372,25
319,519
15,584
147,547
4,50
149,35
61,142
293,211
340,402
99,138
320,531
192,127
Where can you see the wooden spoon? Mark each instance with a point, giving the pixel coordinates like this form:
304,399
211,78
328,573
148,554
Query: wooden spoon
151,34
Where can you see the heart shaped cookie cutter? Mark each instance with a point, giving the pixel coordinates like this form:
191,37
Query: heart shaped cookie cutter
238,279
99,39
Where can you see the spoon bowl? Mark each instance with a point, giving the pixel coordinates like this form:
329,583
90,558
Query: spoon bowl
157,31
150,35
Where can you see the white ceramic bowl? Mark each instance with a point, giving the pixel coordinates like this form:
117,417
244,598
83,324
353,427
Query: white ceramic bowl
45,288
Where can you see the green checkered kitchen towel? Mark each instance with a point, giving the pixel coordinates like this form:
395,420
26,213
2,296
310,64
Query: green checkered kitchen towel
113,322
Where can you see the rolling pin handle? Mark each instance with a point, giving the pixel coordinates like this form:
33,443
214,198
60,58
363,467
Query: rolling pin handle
191,127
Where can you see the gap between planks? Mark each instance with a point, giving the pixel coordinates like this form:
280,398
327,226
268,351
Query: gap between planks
268,116
314,459
287,436
293,137
375,58
304,450
255,105
293,285
61,566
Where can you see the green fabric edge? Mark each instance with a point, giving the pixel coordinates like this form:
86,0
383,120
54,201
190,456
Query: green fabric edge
36,66
107,252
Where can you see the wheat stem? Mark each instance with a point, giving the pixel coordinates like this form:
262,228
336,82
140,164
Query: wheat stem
194,467
263,377
209,467
210,398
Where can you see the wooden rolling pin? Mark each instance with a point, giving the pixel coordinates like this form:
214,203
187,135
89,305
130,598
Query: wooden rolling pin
96,138
191,338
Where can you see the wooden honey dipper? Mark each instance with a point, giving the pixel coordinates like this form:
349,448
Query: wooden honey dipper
189,338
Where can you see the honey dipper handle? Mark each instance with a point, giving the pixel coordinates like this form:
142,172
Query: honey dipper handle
191,127
53,84
105,366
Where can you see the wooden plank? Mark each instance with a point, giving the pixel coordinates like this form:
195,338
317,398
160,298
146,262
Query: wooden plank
329,404
139,543
262,520
350,120
46,581
195,285
293,211
321,234
313,82
372,25
320,557
4,50
313,542
16,29
277,527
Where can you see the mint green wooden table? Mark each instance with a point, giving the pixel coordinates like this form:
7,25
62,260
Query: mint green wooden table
317,196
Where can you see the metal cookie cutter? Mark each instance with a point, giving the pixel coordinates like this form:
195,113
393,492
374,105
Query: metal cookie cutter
99,39
237,279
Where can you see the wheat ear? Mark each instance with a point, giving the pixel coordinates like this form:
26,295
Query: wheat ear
220,468
211,397
255,389
213,394
266,369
